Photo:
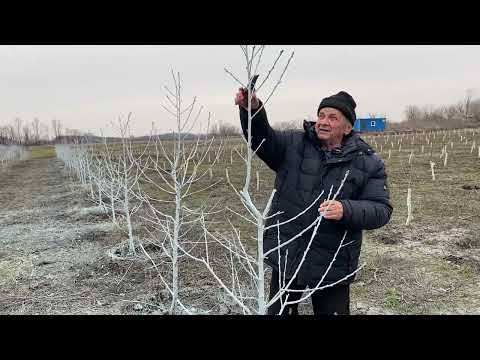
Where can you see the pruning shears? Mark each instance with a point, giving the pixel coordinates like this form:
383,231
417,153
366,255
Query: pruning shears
252,83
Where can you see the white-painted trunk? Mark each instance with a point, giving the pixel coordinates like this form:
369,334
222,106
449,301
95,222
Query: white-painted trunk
176,232
126,209
112,205
260,264
99,194
409,206
89,173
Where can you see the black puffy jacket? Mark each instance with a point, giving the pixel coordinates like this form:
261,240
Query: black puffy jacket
303,170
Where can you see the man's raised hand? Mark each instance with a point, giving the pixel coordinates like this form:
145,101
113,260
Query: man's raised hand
241,98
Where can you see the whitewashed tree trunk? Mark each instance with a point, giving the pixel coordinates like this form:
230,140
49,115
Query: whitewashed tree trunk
409,206
258,181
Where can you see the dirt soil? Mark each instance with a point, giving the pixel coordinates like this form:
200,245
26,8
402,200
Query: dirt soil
53,254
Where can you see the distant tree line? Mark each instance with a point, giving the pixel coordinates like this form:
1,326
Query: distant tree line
465,113
36,132
222,129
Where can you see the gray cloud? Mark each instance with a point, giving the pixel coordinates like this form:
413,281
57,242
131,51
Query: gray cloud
89,86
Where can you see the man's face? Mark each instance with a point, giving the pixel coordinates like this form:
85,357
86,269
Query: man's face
332,125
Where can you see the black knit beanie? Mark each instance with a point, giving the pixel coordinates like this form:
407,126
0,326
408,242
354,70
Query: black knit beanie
343,102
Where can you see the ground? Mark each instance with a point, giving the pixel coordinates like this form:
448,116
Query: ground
54,251
55,244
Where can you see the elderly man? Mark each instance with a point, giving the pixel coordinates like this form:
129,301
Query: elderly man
307,162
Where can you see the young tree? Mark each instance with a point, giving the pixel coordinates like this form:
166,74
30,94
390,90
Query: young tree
466,104
26,135
114,172
175,170
18,128
57,129
36,130
246,283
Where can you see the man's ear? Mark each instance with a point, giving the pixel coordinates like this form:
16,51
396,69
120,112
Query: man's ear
348,128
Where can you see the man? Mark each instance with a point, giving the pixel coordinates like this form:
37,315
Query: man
307,162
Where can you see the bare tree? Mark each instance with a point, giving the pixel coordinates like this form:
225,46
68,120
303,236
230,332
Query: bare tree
44,132
18,128
57,129
26,135
413,114
36,130
174,170
4,140
11,131
246,283
223,129
288,125
115,174
129,176
467,101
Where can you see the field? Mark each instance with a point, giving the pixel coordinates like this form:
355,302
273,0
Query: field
55,239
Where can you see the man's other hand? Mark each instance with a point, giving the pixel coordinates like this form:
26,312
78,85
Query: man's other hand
331,209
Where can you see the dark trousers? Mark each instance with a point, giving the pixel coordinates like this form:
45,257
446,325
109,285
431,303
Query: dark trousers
329,301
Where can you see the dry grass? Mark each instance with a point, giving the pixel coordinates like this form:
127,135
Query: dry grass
41,152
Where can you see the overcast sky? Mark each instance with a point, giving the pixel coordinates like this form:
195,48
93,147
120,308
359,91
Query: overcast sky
88,86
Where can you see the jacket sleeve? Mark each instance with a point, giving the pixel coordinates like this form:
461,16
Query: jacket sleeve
372,209
272,151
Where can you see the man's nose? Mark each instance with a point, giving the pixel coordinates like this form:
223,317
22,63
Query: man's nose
323,121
